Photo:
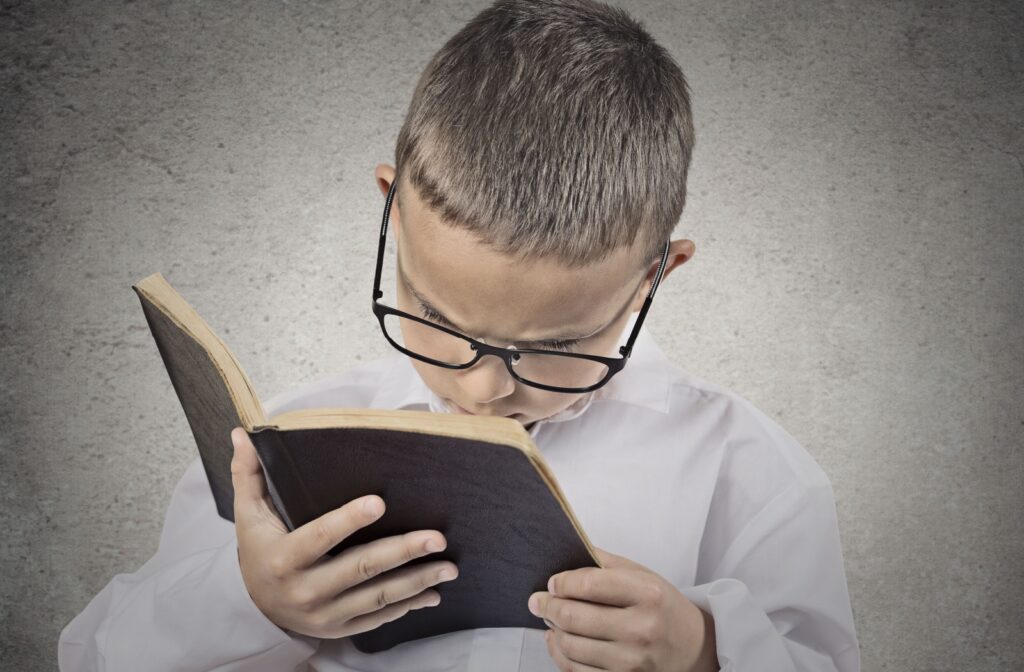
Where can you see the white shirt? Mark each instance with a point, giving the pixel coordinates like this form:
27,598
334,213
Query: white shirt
677,474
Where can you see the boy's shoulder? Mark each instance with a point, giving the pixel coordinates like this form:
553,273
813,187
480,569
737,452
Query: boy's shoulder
752,445
702,418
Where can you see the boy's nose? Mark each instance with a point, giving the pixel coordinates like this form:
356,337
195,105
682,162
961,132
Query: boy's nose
486,381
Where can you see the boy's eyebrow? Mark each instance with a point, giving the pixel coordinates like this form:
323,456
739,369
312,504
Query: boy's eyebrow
567,337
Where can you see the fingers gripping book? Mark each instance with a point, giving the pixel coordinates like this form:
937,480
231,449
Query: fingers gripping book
480,481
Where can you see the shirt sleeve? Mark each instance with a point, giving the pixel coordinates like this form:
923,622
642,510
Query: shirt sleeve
778,590
186,608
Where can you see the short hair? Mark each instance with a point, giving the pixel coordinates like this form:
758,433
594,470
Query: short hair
551,129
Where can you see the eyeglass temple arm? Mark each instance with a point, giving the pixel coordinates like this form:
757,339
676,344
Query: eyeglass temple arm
628,347
383,238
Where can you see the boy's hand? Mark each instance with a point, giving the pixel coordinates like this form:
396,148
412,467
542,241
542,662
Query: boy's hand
299,587
623,616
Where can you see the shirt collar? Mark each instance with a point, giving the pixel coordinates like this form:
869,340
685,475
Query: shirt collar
644,381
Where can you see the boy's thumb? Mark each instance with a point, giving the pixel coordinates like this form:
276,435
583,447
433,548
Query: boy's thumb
246,473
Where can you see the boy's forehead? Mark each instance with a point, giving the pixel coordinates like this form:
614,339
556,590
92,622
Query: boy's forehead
487,293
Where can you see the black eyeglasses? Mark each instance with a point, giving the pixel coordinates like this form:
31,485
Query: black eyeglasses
552,370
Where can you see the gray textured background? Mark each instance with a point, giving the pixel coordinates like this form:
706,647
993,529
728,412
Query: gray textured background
856,200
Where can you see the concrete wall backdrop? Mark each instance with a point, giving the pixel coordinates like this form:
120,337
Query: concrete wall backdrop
856,201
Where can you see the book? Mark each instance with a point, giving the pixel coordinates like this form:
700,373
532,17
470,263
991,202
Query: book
479,480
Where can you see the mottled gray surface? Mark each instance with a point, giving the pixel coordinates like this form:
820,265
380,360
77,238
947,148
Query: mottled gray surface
856,201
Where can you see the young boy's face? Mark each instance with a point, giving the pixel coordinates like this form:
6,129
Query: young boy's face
492,297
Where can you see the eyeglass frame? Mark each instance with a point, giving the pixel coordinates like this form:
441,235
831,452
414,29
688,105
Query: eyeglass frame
614,364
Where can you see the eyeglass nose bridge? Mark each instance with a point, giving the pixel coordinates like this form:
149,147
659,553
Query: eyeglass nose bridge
496,351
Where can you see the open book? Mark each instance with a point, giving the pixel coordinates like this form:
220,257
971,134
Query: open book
478,480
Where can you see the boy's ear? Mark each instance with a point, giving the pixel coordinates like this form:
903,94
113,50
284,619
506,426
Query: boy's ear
384,174
679,252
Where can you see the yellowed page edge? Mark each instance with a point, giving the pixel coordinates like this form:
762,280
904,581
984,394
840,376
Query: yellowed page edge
156,288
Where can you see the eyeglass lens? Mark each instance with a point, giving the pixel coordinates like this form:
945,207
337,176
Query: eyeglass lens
438,345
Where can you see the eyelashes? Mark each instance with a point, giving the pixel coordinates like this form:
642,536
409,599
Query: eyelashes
562,346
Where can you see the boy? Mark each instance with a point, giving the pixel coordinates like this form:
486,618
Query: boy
540,171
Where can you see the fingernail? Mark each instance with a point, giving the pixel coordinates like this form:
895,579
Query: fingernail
372,505
532,604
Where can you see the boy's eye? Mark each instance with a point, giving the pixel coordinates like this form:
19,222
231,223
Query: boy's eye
563,346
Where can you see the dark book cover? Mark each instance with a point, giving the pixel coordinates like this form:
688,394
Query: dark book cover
480,481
